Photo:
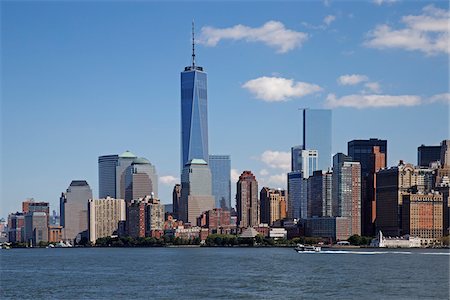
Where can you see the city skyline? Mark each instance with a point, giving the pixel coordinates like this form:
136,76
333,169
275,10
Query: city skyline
68,98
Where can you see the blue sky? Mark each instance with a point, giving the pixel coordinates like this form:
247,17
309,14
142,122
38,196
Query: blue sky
81,80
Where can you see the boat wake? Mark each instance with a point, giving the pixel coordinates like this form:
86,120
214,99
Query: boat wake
381,252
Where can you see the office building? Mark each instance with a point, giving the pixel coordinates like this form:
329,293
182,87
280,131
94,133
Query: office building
445,153
36,227
295,158
55,233
220,166
176,200
30,205
307,162
247,202
16,227
141,179
73,205
372,155
217,220
428,154
320,194
104,216
122,170
346,189
334,228
297,195
154,215
317,134
194,113
272,205
107,175
196,191
422,216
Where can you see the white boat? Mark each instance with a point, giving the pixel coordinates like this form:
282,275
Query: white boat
307,248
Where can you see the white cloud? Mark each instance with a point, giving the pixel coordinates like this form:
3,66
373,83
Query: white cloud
235,175
374,87
428,33
375,101
272,33
278,180
168,180
444,98
381,2
277,159
329,19
263,172
352,79
275,89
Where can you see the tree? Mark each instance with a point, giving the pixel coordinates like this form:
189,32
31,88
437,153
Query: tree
355,240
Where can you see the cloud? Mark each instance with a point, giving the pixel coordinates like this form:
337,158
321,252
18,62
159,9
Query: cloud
375,101
278,180
168,180
427,33
329,19
444,98
381,2
277,159
263,172
352,79
275,89
374,87
235,175
272,33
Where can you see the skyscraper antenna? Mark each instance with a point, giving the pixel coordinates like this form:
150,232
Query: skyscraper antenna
193,45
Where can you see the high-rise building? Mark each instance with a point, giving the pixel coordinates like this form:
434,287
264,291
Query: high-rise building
372,155
445,153
104,216
428,154
107,175
317,134
154,215
73,204
36,227
29,206
176,198
194,112
16,227
220,166
141,179
347,190
196,191
272,205
122,169
247,200
307,162
320,194
295,158
296,187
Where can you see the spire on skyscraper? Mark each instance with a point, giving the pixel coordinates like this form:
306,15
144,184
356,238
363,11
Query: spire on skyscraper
193,44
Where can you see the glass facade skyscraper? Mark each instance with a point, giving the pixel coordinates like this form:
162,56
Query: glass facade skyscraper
317,134
220,166
107,175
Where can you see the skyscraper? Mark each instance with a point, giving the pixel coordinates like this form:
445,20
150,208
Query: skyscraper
194,112
372,155
296,186
320,194
104,216
427,155
295,158
272,205
247,202
308,162
141,179
107,175
220,166
123,164
196,191
317,134
176,198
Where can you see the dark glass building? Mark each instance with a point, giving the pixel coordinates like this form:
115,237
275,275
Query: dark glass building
428,154
107,175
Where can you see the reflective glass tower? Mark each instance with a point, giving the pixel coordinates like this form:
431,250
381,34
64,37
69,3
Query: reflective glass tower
220,166
194,112
317,134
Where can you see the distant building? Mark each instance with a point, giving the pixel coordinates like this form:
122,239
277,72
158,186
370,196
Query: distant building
217,220
31,206
141,179
320,194
107,175
445,153
36,227
272,205
176,200
335,228
122,169
296,158
154,215
144,217
372,155
247,200
73,205
347,190
16,227
297,195
422,217
317,134
220,166
196,191
104,216
55,233
428,154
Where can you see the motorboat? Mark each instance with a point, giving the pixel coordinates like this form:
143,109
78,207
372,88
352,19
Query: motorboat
307,248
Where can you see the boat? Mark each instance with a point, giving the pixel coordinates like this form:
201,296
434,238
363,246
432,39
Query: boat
307,248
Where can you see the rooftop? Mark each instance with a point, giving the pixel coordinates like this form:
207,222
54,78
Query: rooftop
127,154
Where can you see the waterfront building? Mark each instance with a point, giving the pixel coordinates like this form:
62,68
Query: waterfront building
406,241
55,233
248,210
335,228
277,233
73,205
135,219
422,216
196,191
176,200
122,169
154,215
346,189
194,113
297,195
36,227
428,154
372,155
107,175
141,179
317,134
104,216
320,194
16,227
272,205
217,220
220,166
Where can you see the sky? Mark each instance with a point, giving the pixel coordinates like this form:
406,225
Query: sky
85,79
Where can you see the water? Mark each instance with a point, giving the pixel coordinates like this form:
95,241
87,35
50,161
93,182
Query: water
227,273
